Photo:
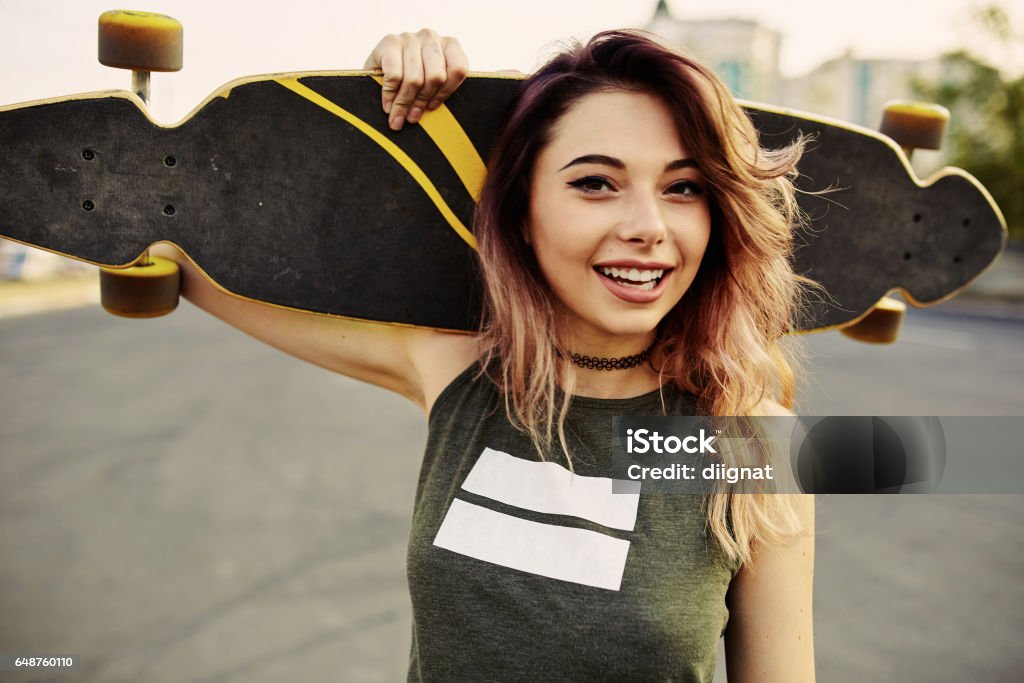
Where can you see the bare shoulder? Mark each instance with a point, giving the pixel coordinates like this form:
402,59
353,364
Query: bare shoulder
769,408
439,357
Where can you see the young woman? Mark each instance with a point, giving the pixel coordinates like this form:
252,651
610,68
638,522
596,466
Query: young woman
634,244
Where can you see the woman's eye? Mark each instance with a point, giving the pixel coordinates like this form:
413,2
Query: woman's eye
686,188
591,184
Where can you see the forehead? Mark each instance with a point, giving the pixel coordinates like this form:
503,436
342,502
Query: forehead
625,125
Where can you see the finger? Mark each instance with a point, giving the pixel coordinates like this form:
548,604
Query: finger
411,84
457,70
393,67
387,56
435,75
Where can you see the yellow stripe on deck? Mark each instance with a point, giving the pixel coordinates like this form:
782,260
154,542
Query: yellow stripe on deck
391,148
444,129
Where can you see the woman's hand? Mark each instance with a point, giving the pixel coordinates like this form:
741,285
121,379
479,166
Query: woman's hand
420,71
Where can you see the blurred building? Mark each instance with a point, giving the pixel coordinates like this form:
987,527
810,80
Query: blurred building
856,89
742,52
745,55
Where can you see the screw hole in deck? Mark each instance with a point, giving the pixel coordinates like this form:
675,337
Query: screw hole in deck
906,256
170,161
88,154
917,218
168,210
957,259
88,205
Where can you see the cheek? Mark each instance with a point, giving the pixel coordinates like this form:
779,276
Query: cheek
550,235
693,242
561,266
703,236
700,242
545,250
553,261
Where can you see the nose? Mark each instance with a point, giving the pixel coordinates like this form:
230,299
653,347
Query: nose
643,221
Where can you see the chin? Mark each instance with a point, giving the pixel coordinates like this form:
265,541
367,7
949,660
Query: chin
631,326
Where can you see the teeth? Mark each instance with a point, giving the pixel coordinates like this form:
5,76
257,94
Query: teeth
634,274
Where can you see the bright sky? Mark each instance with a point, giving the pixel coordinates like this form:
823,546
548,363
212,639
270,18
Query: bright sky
49,46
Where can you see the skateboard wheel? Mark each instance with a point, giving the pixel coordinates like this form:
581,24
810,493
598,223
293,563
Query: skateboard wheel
881,325
915,125
140,41
141,291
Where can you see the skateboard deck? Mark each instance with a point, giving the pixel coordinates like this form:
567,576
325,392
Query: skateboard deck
289,189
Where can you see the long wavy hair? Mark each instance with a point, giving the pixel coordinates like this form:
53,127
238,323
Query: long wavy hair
725,341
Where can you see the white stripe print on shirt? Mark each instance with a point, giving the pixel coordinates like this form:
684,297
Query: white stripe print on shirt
557,552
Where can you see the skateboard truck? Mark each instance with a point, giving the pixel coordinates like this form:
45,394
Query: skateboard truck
143,42
912,125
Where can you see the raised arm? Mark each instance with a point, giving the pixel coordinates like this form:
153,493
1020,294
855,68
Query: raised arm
419,71
371,352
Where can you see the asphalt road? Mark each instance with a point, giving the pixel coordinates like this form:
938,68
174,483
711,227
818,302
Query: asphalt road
179,503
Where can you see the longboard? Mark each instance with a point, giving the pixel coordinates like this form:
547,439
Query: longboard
290,189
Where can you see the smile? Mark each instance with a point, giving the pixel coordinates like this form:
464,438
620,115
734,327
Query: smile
634,285
644,280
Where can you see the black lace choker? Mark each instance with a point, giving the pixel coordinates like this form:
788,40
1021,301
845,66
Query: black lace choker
621,363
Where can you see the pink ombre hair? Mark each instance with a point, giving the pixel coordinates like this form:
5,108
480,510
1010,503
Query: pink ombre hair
726,341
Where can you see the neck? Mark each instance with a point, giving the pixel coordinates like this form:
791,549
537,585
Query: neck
625,382
619,384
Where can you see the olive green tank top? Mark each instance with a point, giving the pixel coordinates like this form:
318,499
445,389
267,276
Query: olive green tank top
521,570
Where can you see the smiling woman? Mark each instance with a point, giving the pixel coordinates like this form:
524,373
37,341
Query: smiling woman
624,163
635,216
634,242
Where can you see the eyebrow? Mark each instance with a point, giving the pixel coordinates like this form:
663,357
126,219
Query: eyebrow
604,160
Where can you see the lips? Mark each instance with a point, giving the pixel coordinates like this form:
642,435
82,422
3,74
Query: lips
631,282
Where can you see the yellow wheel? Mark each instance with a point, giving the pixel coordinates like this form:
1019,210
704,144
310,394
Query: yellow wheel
140,41
881,325
915,125
141,291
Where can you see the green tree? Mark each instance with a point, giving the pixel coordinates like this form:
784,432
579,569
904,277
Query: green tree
986,132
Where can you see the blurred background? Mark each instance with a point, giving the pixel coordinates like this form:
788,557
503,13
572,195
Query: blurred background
179,503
